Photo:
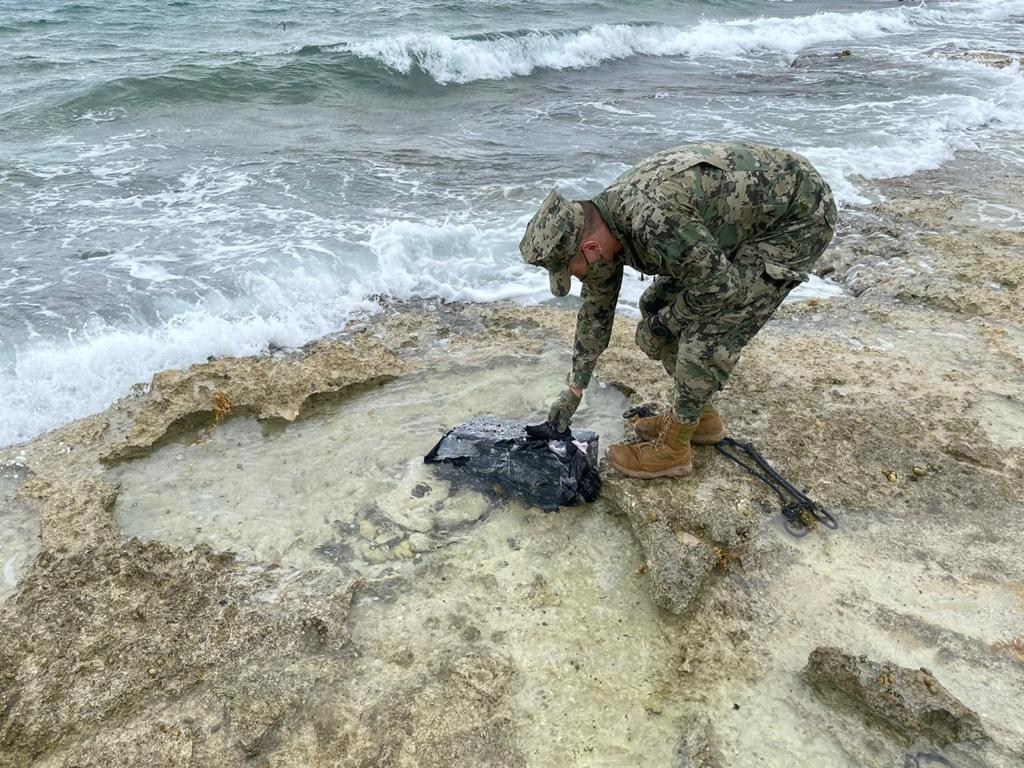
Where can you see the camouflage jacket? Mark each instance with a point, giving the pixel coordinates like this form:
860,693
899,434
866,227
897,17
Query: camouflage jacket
683,224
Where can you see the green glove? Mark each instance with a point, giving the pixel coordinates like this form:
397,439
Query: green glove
562,410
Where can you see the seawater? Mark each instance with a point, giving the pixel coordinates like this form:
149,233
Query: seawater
562,595
185,179
19,532
346,485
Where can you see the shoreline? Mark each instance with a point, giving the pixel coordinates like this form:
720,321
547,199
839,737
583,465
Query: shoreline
473,652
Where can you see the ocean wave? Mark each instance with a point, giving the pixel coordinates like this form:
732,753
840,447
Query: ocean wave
271,79
919,143
54,381
413,63
48,381
493,56
463,60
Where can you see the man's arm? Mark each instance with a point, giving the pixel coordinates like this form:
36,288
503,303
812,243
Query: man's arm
594,324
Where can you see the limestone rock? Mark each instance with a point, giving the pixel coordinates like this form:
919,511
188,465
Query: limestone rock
678,564
157,640
456,716
682,535
268,387
910,703
696,747
996,59
75,515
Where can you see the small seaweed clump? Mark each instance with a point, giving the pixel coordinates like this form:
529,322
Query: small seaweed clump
222,407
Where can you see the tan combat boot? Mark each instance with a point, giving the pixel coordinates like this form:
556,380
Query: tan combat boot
666,456
710,428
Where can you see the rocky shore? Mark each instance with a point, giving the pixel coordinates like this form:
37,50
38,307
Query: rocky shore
668,624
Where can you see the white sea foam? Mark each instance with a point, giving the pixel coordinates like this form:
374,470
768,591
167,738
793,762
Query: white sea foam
54,381
461,60
51,381
152,273
453,60
457,262
916,142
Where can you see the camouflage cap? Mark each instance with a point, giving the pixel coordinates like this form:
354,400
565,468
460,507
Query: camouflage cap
552,237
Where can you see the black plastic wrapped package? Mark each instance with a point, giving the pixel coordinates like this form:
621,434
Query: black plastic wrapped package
545,470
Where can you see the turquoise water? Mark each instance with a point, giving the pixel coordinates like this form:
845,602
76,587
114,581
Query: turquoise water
185,179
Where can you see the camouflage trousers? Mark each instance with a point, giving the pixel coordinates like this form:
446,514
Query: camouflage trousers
704,355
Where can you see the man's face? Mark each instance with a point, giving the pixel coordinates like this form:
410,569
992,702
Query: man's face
588,253
578,266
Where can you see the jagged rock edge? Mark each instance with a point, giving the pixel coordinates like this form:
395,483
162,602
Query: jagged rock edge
204,418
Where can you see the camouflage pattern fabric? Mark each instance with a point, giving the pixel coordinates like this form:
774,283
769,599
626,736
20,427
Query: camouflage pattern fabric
552,238
729,230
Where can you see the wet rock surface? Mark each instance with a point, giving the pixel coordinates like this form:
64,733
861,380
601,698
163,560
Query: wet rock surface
696,747
909,702
499,635
453,716
685,538
181,653
268,387
997,59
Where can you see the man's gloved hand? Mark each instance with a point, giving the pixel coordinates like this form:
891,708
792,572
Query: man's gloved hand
562,410
652,336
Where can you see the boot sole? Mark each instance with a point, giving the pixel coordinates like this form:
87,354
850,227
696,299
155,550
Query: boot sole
640,475
718,437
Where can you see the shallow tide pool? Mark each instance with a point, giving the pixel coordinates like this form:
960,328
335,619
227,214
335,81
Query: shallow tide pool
560,595
346,484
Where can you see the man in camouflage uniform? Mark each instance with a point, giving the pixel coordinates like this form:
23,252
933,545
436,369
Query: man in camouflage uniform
728,230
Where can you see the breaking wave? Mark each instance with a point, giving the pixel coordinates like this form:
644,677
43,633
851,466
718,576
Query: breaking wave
515,54
47,381
420,62
492,57
463,60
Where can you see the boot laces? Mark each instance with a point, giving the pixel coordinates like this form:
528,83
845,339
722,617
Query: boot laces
662,439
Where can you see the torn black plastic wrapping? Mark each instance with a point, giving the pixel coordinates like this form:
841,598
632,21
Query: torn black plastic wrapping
547,471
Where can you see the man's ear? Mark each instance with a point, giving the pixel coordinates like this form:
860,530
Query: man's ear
591,248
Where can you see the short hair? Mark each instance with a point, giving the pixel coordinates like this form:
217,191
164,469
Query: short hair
591,219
